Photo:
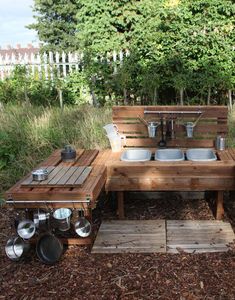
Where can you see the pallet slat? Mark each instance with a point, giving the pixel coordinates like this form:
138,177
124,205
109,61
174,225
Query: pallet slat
143,236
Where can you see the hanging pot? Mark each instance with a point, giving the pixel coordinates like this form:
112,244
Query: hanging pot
82,226
41,218
26,229
49,249
16,248
62,217
68,154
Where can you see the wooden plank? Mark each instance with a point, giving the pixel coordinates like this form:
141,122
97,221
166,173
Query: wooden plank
52,175
87,158
136,236
29,179
126,128
75,176
126,111
83,176
220,205
185,143
58,176
169,184
67,175
120,199
198,236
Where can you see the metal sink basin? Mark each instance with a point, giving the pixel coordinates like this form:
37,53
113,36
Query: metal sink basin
134,155
200,154
169,155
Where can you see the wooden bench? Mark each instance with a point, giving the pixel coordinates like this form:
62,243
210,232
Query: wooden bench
177,176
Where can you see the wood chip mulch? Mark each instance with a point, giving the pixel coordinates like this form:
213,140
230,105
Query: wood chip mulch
80,275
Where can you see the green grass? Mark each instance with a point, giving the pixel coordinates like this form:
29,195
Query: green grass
28,134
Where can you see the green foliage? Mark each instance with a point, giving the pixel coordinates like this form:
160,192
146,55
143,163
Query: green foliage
176,45
56,23
28,134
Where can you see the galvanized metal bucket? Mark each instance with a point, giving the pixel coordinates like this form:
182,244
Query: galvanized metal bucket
62,217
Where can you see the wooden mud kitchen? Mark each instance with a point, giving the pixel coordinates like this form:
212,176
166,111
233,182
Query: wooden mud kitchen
146,163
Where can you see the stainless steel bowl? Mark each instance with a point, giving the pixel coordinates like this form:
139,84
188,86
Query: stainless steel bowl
26,229
40,175
83,227
16,248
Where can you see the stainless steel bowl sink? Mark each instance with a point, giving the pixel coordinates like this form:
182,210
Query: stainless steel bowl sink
169,155
134,155
201,154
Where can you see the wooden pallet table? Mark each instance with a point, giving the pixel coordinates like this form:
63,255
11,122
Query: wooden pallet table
75,185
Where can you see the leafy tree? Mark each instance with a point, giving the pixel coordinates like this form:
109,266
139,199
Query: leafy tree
56,23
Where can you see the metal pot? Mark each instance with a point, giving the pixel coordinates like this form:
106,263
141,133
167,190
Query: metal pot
68,154
49,249
82,226
40,175
41,218
62,217
26,229
16,248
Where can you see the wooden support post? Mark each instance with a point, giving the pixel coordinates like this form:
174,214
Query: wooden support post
120,198
219,205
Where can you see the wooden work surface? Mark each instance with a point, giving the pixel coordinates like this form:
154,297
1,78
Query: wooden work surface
60,176
165,176
89,191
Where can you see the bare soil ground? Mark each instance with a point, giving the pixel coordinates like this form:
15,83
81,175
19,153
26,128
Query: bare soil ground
80,275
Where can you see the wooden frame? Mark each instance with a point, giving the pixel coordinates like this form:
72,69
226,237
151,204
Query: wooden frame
181,176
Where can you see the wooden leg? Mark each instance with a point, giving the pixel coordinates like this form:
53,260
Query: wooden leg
120,198
219,205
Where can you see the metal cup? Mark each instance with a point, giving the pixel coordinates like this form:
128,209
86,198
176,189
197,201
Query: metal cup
189,129
16,248
62,217
152,129
220,143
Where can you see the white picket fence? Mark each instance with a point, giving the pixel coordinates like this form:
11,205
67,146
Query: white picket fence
46,65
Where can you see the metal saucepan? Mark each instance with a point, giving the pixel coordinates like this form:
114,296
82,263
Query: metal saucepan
41,218
49,249
82,226
26,229
16,248
40,175
62,217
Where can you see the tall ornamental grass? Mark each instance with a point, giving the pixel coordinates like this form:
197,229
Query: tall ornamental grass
28,134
